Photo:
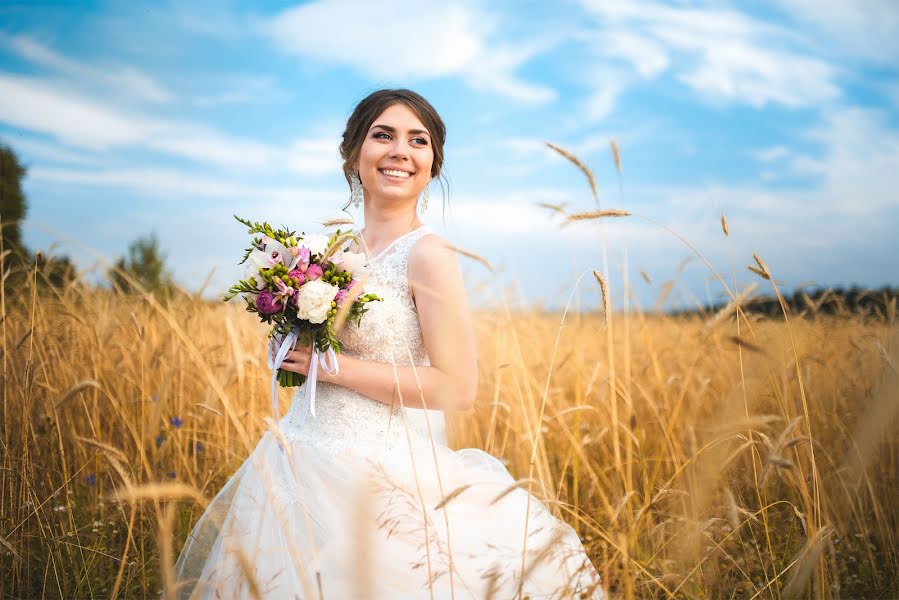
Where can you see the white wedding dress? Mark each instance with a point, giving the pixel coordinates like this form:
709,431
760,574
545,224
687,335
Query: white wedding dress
357,502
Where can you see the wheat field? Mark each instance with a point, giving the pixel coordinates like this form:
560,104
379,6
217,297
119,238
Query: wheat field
706,456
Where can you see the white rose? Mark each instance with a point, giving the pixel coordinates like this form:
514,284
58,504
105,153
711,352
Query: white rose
354,263
314,300
317,243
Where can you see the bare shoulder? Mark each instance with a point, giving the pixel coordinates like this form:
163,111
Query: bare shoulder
432,259
431,253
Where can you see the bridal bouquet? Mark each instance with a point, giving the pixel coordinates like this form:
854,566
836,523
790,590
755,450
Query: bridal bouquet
298,284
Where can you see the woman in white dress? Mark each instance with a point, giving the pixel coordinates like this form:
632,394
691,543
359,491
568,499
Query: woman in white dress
358,501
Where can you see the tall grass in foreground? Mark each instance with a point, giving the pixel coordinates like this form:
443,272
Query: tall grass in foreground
704,465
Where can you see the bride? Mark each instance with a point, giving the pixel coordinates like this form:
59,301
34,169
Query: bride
364,499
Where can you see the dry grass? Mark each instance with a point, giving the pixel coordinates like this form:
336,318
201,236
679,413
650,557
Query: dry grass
728,456
735,473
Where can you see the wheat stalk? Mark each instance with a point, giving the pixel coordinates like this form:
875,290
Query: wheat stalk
473,256
580,165
595,214
616,155
333,222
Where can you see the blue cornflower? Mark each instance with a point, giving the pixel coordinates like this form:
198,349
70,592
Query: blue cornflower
176,422
90,479
159,440
171,474
198,447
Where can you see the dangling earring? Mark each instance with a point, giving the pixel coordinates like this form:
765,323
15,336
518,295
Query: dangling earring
425,196
355,190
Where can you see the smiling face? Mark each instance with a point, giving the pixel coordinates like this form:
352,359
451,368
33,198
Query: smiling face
396,156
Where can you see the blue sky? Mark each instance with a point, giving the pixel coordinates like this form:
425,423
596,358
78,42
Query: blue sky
170,117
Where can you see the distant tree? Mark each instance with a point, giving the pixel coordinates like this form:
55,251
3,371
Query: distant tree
55,271
145,265
12,200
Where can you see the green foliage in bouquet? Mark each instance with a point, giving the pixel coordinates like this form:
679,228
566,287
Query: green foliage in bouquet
272,291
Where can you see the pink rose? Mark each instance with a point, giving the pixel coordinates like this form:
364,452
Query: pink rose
340,297
266,304
298,275
314,272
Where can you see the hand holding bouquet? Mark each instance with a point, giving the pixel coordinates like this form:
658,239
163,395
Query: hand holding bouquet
298,284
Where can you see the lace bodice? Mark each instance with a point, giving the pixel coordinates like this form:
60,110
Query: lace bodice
389,332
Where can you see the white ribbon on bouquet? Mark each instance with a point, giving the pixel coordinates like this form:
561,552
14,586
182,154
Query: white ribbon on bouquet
276,355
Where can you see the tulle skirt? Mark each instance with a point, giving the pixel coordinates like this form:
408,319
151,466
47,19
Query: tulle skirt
301,519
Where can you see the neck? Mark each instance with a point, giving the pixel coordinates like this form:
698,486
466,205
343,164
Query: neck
384,222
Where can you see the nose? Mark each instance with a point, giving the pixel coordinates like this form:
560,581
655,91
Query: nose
400,149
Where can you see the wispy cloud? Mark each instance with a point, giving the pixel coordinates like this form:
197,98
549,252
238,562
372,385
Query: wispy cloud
117,79
419,41
771,154
867,29
161,183
721,54
38,105
79,121
315,156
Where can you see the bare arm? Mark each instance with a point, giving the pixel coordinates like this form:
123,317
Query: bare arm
450,382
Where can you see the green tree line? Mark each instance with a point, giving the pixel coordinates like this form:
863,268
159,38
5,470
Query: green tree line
142,267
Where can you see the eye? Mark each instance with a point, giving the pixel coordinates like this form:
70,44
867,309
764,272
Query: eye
380,135
420,141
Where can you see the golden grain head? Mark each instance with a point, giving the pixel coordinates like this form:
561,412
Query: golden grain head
334,222
759,272
580,165
762,265
472,255
595,214
616,155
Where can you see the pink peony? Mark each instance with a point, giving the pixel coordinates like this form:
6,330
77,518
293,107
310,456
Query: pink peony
314,272
298,275
266,304
351,284
340,297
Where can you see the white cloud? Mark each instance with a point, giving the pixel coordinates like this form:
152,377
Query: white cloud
864,28
861,164
34,104
114,78
385,40
315,156
738,71
33,151
79,122
178,184
771,154
603,99
395,40
647,56
494,70
720,53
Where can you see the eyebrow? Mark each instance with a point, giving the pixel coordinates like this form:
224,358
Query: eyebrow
393,130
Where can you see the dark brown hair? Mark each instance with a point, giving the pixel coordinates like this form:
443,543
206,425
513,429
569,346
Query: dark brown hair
371,107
